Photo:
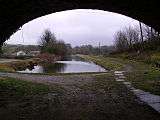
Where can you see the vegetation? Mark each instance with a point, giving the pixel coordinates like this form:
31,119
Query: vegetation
106,62
140,49
131,39
125,40
140,74
49,44
12,66
148,81
91,50
9,49
6,68
138,45
22,88
26,100
98,94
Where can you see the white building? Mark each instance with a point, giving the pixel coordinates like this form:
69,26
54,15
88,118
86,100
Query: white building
21,53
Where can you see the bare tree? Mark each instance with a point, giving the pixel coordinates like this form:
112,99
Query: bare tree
121,42
141,38
126,39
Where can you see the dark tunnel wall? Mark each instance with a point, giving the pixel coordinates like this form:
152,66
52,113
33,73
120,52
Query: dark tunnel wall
15,13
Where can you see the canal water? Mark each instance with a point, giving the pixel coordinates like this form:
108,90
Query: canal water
74,64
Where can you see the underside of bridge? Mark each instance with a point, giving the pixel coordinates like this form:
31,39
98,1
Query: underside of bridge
15,13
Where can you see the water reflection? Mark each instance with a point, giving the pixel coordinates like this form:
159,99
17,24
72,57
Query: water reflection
54,68
69,65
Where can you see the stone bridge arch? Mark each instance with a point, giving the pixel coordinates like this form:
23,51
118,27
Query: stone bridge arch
15,13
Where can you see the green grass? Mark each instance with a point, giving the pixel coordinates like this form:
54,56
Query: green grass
106,62
148,81
27,100
149,57
23,88
142,76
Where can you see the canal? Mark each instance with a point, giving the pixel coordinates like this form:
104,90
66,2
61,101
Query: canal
73,64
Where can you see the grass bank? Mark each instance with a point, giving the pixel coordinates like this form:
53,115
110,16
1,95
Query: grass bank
146,80
106,62
12,66
148,57
142,75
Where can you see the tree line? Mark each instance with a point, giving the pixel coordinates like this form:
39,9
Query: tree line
50,45
141,38
92,50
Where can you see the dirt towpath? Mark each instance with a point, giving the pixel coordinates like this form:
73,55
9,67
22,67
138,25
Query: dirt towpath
85,97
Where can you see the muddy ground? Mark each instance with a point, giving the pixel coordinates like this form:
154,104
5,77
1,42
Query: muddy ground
78,97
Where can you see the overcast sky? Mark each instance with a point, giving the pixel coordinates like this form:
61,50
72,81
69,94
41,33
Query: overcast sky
77,27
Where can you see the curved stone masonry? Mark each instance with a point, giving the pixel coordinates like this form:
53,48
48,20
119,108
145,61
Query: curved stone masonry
146,97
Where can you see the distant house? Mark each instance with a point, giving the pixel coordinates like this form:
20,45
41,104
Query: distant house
21,53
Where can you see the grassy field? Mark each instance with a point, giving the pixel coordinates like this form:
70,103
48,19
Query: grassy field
141,75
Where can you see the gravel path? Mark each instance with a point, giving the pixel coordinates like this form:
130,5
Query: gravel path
66,80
